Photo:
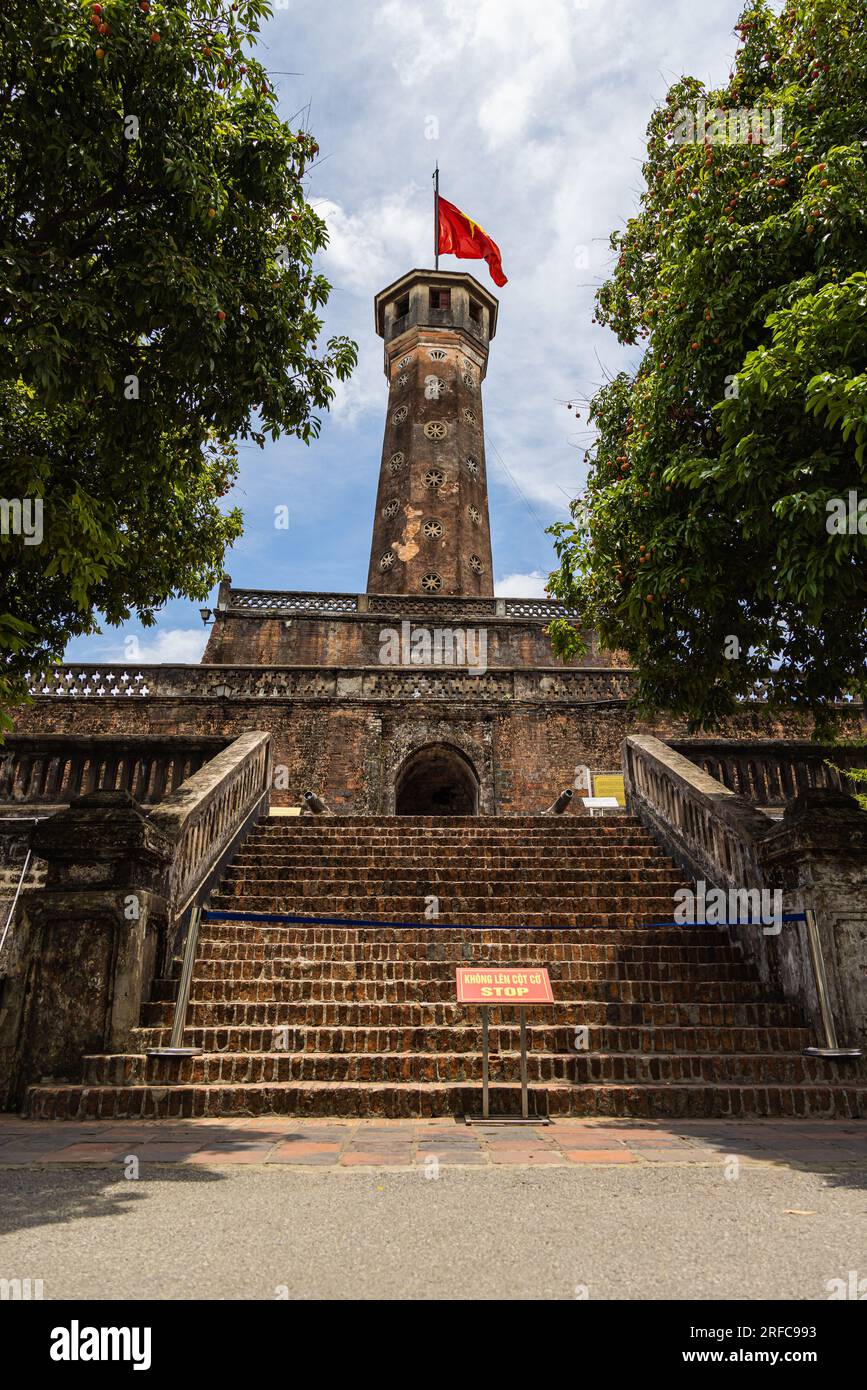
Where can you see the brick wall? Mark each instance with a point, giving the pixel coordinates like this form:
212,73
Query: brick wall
351,750
356,640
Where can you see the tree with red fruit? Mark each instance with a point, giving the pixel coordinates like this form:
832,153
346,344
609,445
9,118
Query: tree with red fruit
158,303
743,274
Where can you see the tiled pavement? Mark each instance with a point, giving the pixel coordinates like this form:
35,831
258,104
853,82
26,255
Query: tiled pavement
409,1143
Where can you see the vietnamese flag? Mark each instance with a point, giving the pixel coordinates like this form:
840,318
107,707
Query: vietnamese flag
460,236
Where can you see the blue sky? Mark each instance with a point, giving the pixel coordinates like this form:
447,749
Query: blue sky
538,109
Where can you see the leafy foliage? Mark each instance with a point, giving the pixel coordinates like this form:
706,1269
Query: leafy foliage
701,545
158,302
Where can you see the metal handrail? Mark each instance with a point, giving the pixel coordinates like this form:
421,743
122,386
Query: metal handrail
191,944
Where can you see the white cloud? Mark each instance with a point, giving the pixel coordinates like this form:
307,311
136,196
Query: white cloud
177,645
521,585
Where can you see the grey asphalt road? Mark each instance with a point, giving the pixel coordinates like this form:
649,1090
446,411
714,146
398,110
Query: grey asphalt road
518,1233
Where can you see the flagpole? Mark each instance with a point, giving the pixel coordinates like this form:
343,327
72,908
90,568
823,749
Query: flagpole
437,216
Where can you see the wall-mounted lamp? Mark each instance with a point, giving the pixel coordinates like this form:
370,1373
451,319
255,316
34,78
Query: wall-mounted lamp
206,615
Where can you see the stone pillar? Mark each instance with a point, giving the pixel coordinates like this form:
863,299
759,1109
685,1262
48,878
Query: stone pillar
818,855
84,950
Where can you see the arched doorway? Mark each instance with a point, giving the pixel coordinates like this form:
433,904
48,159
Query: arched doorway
436,780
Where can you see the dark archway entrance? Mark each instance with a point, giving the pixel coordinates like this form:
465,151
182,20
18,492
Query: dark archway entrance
437,780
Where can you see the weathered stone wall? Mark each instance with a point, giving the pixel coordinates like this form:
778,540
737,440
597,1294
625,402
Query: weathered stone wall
350,748
249,639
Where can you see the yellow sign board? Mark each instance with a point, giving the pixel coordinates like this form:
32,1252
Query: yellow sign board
610,784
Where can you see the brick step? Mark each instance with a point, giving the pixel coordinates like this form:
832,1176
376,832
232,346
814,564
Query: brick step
393,1013
451,1067
453,887
626,841
312,825
586,841
563,973
436,989
571,912
249,932
543,862
238,955
551,880
465,1037
411,1099
502,824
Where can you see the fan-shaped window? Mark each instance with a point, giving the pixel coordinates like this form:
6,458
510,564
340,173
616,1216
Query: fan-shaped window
437,355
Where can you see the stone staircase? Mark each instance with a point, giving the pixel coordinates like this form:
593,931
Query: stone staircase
362,1021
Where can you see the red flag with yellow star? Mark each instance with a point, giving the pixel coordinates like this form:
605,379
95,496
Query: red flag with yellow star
459,235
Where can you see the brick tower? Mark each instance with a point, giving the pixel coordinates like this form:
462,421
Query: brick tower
431,531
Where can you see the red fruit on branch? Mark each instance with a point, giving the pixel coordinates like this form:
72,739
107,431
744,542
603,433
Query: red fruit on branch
155,38
220,315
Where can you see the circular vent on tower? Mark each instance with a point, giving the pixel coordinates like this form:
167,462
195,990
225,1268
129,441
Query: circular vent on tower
469,382
469,416
434,477
472,466
403,379
436,429
400,415
432,529
396,462
391,509
475,515
387,560
476,565
431,583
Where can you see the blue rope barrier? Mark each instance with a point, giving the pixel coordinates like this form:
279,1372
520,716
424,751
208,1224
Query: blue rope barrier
210,915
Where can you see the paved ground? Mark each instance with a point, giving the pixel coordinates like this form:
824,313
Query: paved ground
390,1209
398,1143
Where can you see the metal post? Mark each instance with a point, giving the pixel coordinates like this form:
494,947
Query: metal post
437,217
525,1107
486,1110
175,1047
21,879
831,1046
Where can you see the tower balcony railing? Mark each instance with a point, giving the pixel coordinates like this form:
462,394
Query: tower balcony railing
280,601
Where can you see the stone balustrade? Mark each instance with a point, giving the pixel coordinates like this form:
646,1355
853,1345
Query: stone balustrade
385,683
771,772
120,879
445,608
202,816
816,856
52,770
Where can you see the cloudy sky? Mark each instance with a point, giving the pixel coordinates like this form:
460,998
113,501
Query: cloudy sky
536,111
